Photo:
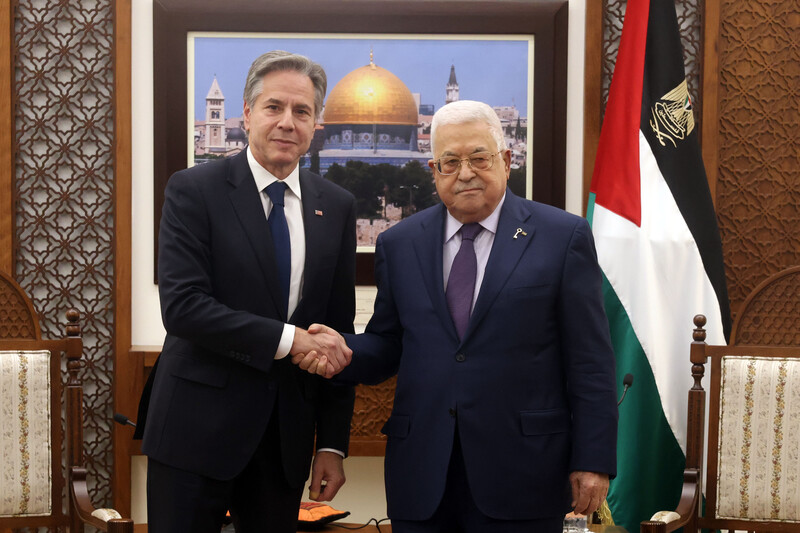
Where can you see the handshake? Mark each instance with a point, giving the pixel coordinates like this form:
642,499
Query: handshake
320,350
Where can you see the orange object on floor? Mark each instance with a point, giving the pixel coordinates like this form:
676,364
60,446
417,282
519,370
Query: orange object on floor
318,514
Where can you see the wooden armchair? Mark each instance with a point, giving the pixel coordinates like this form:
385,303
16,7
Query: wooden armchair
752,480
35,491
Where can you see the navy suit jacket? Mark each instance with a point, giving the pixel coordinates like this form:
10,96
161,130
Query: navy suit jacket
530,388
217,381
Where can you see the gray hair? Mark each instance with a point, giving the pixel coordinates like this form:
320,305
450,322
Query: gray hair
281,60
463,111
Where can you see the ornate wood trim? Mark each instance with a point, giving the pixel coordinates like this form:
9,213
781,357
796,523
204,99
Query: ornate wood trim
710,95
592,91
22,321
62,171
769,314
6,140
124,398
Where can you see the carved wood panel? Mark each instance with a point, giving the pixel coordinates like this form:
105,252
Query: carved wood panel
63,190
771,313
758,187
372,408
17,319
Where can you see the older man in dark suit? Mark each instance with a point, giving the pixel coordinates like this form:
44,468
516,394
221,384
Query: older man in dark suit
251,251
489,310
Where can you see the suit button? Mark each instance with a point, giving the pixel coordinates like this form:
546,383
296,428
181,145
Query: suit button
452,412
461,358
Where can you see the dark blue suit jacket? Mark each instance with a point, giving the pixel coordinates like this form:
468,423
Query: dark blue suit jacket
217,381
531,385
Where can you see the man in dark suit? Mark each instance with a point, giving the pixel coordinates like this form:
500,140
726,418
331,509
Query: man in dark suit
231,423
489,310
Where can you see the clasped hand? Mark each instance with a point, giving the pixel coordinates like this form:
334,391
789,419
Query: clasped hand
320,350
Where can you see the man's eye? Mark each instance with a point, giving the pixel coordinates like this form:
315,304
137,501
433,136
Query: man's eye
450,162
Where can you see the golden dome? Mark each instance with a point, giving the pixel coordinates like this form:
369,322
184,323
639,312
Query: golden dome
371,95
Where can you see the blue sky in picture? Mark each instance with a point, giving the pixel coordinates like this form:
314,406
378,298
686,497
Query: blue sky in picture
492,71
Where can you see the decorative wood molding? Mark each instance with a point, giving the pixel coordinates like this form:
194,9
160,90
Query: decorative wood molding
6,140
771,313
592,90
62,171
124,366
757,157
19,320
710,126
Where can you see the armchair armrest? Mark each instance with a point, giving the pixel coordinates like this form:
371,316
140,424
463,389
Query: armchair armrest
667,521
107,520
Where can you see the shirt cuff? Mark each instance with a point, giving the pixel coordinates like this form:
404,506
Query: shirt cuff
332,450
285,344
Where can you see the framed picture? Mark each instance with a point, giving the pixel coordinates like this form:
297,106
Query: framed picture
507,54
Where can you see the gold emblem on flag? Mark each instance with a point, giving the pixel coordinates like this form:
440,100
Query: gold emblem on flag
672,117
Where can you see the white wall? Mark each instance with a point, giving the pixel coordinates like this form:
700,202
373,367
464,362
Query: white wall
146,327
363,494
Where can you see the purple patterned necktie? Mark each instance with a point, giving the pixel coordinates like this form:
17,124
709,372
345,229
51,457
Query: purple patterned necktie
461,284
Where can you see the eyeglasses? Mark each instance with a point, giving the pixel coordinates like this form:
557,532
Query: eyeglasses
450,165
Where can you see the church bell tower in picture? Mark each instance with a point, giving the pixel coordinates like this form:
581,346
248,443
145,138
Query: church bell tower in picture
452,87
215,119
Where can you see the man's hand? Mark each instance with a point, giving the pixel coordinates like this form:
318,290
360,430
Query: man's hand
589,490
327,468
320,350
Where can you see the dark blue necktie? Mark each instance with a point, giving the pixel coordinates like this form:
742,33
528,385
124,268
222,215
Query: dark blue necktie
280,238
461,283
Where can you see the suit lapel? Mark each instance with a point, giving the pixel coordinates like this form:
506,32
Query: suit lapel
315,227
248,207
429,247
506,253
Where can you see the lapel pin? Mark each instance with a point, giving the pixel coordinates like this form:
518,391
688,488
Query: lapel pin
520,232
318,212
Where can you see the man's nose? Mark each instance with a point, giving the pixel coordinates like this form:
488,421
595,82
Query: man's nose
465,172
286,120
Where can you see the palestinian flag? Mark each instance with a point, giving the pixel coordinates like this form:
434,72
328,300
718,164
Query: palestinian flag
659,247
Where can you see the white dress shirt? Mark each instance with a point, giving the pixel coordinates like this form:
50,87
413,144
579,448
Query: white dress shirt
483,245
293,208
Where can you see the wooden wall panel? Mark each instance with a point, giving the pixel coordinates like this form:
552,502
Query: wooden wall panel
6,141
758,188
62,169
125,391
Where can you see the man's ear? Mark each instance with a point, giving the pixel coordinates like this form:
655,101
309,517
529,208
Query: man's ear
246,116
507,161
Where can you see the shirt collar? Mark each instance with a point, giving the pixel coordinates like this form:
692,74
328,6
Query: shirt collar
264,177
489,223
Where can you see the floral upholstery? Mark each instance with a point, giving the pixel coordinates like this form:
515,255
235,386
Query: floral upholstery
759,451
25,464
